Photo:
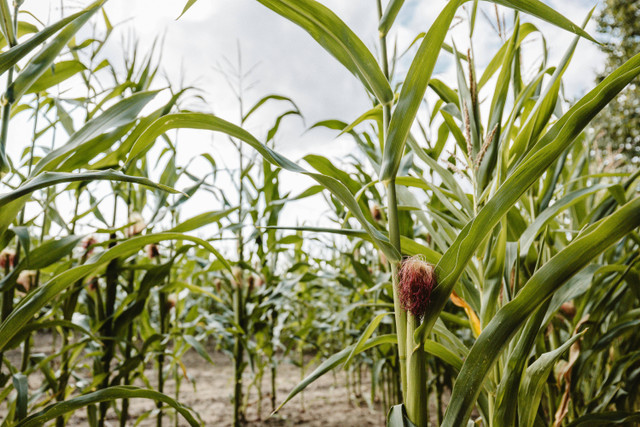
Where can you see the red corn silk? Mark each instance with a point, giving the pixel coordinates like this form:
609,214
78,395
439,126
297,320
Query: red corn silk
416,281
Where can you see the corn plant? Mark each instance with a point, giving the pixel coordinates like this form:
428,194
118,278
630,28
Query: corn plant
62,279
481,248
513,160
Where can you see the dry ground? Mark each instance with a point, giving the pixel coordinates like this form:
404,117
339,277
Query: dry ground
326,402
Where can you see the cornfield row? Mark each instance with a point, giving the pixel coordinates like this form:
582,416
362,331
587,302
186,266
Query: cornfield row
484,265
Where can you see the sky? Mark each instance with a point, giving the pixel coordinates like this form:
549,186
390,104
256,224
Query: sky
285,60
289,62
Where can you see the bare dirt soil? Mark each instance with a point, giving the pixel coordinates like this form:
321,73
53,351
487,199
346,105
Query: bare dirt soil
326,402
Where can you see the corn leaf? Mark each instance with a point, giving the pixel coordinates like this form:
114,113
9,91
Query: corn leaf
413,90
540,287
80,145
334,361
39,64
210,122
389,16
337,39
105,395
533,382
37,299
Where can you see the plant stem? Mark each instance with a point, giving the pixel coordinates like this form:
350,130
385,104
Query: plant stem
400,313
8,295
238,297
162,302
124,409
274,389
393,226
238,356
416,399
111,278
7,102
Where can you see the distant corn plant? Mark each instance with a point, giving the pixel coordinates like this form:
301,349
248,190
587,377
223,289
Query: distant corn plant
60,279
493,247
484,252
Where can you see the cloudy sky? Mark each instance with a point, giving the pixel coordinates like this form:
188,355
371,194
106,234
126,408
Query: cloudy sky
287,61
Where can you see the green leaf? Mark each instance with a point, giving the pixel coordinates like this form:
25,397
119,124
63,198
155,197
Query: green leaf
105,395
22,399
534,380
193,342
55,74
540,287
6,23
443,353
374,114
389,16
606,419
447,177
337,39
413,90
201,220
397,417
197,289
364,337
575,287
541,113
533,230
334,361
213,123
494,65
43,59
501,90
119,114
23,29
187,7
410,247
266,99
546,13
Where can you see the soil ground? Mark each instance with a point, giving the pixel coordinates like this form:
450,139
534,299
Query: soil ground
326,402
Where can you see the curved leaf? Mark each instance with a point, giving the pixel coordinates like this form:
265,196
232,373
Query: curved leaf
213,123
119,114
546,13
29,306
337,39
201,220
334,361
105,395
48,179
41,61
552,145
364,337
533,381
606,419
538,289
528,236
11,57
413,90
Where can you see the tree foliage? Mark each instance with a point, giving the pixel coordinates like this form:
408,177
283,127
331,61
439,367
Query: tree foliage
618,126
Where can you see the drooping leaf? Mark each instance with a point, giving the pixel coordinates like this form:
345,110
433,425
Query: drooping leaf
105,395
